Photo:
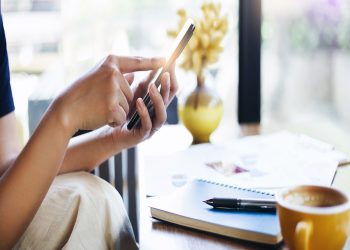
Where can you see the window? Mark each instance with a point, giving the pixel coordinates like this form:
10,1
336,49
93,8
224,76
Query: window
305,60
51,43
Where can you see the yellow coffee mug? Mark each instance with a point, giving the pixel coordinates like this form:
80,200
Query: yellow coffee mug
314,217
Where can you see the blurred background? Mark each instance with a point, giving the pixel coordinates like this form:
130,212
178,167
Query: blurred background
305,55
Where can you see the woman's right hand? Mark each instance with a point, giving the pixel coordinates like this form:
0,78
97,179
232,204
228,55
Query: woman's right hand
101,96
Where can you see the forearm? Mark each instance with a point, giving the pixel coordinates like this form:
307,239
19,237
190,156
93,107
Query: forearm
24,185
87,151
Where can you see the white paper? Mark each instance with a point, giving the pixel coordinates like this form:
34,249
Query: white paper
276,160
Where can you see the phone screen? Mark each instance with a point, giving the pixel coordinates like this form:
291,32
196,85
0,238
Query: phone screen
180,43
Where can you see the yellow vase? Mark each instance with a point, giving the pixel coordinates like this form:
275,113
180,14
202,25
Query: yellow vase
201,113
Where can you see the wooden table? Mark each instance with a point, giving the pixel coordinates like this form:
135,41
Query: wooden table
155,234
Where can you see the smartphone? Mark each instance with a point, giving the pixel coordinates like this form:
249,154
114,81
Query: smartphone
180,43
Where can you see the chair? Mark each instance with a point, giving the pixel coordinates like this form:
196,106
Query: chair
119,170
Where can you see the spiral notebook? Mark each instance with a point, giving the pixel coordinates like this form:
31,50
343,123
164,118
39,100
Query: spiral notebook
185,207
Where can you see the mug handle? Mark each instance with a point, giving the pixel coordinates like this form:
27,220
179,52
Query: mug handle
302,235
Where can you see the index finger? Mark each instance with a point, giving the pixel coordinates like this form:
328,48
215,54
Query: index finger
137,63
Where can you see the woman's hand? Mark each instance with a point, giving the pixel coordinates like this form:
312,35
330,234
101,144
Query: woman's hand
101,96
124,138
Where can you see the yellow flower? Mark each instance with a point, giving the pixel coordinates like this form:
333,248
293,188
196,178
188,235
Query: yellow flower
205,45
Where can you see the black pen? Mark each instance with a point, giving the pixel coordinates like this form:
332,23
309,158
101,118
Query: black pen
243,204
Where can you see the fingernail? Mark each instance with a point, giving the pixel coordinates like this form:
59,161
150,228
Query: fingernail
158,61
139,103
161,60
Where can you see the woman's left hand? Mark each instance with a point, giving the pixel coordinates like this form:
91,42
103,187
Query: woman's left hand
122,137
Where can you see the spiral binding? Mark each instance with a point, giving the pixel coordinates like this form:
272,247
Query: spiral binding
234,187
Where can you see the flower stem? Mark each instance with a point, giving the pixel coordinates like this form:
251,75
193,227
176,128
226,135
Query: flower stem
200,80
200,84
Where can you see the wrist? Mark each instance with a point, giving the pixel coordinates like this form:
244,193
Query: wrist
109,141
61,116
116,142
